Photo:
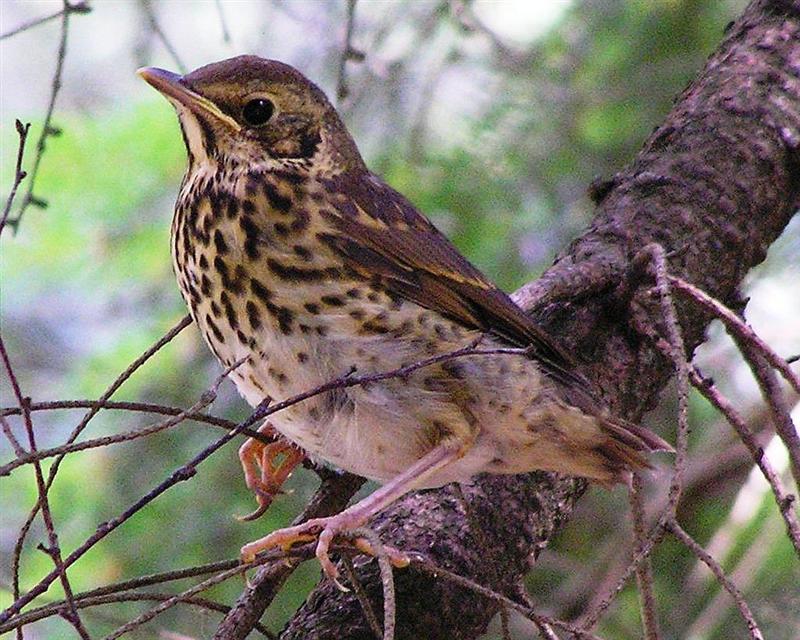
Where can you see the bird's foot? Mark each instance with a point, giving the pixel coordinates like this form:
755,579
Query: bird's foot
267,466
324,530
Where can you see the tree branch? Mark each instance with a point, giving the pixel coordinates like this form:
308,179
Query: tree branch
714,185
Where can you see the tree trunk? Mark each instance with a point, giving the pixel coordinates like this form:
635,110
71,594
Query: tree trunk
714,185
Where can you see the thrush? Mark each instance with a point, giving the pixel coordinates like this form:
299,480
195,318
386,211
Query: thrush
298,261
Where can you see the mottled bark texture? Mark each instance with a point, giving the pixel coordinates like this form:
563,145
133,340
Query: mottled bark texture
714,185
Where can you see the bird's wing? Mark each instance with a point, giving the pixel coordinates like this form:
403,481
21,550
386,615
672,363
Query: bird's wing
381,234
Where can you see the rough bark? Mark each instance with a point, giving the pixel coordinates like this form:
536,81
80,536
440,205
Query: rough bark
714,185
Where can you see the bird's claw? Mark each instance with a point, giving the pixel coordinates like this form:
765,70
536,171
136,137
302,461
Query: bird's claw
266,467
324,530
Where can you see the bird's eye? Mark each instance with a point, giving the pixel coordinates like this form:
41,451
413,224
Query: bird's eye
257,112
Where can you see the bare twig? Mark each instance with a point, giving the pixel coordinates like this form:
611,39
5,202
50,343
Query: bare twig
223,23
184,473
53,549
644,570
677,351
183,323
423,565
147,7
361,595
744,610
737,327
348,53
387,579
140,407
19,173
12,439
784,501
172,601
776,401
47,128
592,617
83,601
77,7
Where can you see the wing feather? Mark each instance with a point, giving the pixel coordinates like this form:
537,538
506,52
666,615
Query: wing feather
382,234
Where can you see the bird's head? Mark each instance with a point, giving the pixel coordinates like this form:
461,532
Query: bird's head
251,111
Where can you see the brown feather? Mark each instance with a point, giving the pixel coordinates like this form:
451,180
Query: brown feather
381,233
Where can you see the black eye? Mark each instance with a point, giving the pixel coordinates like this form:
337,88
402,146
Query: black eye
257,112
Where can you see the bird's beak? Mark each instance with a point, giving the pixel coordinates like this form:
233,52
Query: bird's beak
173,87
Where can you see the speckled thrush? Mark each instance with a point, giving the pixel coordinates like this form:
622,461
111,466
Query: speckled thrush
294,257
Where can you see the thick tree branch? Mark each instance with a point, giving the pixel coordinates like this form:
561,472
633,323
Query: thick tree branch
714,185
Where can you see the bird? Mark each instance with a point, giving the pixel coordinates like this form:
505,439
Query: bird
302,266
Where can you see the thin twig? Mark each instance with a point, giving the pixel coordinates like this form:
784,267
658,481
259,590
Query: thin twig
83,601
94,443
776,401
184,473
361,595
139,407
591,618
78,7
348,53
784,500
737,327
744,610
151,18
12,439
19,173
47,127
166,338
171,602
226,34
427,567
387,579
678,356
644,570
53,550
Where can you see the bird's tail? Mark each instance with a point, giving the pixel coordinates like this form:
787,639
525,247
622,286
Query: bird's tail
627,446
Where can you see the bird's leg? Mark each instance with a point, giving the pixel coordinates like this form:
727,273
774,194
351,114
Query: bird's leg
266,466
326,529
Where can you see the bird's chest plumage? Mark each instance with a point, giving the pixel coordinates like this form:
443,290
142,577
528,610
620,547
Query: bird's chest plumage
264,292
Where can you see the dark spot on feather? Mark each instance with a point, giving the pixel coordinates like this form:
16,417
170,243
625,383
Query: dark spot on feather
230,312
357,314
312,307
222,269
236,283
281,229
205,285
219,243
215,309
285,318
253,315
203,262
302,357
302,252
214,329
301,220
276,200
332,301
260,290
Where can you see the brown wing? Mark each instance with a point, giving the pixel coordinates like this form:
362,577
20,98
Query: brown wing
382,234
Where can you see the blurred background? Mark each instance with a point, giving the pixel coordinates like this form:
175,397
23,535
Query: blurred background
493,118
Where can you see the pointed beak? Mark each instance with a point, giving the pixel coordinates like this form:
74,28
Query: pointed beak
175,88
